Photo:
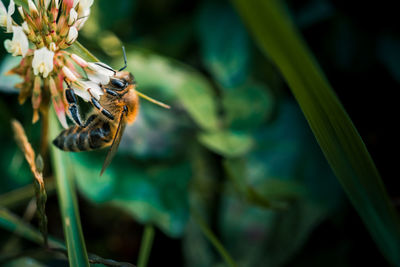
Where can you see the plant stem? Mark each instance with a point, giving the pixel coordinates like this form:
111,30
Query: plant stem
213,239
75,242
145,247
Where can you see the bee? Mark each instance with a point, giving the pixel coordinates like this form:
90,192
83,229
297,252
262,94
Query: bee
117,107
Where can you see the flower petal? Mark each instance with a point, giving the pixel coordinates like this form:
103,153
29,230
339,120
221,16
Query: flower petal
42,62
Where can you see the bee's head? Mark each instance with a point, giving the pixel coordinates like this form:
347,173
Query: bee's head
122,79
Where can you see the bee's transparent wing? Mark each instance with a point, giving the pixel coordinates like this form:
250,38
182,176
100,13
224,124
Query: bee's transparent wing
115,143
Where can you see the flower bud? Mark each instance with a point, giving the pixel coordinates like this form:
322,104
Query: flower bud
73,16
78,60
72,35
69,74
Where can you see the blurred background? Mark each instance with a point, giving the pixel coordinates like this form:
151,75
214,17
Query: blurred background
234,149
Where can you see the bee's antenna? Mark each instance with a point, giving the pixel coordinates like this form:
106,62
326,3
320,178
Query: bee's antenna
152,100
126,64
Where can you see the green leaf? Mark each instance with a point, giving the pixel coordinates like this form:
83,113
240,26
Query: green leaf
8,82
77,254
227,143
247,107
152,193
287,172
219,25
177,81
333,129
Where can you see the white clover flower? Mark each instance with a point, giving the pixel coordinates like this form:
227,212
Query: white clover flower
48,28
94,88
42,62
99,72
72,35
73,16
69,74
19,44
83,11
5,16
82,88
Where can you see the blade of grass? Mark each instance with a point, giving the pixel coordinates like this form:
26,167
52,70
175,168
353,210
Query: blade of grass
14,224
24,194
213,239
77,254
145,246
338,138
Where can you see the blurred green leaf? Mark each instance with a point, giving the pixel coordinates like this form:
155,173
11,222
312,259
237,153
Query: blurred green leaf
157,133
219,25
337,136
271,193
7,82
176,81
16,171
287,172
227,143
247,107
154,193
26,262
76,247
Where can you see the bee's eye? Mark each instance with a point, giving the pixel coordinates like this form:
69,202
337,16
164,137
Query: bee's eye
120,84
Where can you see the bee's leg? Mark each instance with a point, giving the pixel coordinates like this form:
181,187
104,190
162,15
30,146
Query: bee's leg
89,120
72,105
110,92
105,112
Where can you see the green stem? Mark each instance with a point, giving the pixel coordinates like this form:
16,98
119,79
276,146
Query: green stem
77,254
145,247
213,239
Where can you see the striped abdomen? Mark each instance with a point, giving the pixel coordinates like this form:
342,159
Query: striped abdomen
94,136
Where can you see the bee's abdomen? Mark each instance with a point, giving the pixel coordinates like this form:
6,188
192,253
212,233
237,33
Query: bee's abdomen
83,139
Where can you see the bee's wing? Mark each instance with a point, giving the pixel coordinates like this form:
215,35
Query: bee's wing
115,143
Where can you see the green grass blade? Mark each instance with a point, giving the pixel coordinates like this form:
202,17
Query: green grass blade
77,254
15,224
213,239
339,140
145,246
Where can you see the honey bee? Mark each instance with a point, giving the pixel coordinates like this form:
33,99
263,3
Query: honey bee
117,107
